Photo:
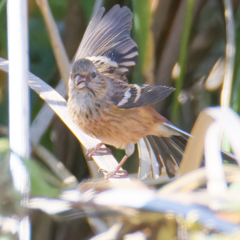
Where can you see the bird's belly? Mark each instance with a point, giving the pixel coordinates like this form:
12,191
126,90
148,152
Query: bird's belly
116,129
112,126
107,132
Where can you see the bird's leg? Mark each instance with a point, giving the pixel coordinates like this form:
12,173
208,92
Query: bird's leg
122,173
117,172
92,151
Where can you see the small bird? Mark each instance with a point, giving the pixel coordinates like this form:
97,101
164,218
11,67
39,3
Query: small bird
104,105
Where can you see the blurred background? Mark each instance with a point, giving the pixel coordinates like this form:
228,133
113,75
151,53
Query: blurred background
170,34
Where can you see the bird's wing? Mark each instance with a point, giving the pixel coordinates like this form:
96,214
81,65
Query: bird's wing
127,96
107,42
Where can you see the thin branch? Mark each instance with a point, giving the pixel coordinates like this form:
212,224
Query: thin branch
229,61
19,115
230,54
55,39
183,57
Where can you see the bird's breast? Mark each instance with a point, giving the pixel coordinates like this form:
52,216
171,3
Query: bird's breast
82,109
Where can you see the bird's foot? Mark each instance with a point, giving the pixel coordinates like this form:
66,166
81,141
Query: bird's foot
97,150
118,173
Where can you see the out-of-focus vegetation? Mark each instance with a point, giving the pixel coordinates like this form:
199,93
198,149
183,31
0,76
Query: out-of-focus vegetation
180,42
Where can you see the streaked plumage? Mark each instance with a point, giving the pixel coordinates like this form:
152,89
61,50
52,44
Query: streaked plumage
104,105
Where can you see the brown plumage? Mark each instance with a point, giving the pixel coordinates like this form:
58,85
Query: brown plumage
104,105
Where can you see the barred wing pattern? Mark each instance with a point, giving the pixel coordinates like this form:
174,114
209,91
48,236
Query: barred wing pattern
126,96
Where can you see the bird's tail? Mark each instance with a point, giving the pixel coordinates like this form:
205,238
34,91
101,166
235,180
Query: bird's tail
161,154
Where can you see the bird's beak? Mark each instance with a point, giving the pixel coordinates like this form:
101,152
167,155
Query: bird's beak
80,81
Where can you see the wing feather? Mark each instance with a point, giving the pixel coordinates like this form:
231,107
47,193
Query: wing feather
126,96
108,40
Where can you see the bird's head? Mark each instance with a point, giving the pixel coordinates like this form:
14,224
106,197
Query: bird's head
85,77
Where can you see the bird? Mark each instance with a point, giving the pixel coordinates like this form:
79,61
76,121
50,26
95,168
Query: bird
104,105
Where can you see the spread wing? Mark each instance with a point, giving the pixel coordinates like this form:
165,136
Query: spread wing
127,96
107,42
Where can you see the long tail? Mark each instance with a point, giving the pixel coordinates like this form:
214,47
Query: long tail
160,154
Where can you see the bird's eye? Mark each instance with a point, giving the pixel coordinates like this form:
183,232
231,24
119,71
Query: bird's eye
93,74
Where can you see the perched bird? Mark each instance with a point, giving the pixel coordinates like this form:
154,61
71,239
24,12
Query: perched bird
104,105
